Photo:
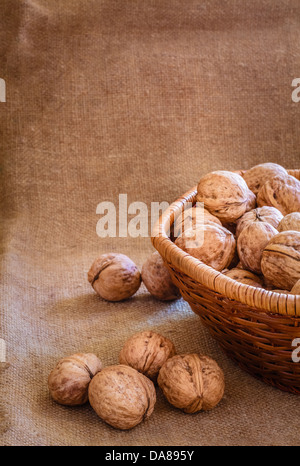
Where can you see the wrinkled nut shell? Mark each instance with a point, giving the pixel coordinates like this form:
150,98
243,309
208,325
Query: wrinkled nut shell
122,396
157,278
147,352
192,217
280,262
68,382
283,193
251,243
261,214
192,382
212,244
290,222
256,176
226,195
114,277
244,276
296,288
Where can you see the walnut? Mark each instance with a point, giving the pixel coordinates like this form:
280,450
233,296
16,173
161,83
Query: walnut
296,288
192,217
226,195
244,276
114,276
68,382
122,396
192,382
256,176
260,214
157,279
282,193
147,352
211,243
280,262
251,243
290,222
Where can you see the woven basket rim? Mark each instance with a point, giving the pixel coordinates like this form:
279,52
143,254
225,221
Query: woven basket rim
256,298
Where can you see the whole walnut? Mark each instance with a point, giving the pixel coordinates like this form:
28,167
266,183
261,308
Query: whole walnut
290,222
282,193
68,382
256,176
296,288
226,195
192,217
260,214
251,243
244,276
211,243
147,352
114,276
122,396
192,382
280,262
157,279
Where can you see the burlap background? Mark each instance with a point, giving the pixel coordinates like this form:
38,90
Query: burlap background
137,97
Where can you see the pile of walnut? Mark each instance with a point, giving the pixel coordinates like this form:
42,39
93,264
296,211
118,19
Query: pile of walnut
247,226
124,394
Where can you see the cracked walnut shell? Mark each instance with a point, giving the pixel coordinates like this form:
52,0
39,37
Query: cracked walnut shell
192,382
114,276
211,243
157,279
251,243
68,382
280,262
256,176
147,352
226,195
282,193
122,396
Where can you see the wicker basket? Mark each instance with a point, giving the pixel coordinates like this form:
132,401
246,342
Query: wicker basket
255,327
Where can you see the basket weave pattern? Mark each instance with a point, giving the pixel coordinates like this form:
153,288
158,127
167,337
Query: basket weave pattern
254,327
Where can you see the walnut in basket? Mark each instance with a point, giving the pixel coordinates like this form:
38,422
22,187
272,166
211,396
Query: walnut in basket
282,193
244,276
260,214
256,176
251,243
211,243
226,195
190,218
290,222
296,288
280,262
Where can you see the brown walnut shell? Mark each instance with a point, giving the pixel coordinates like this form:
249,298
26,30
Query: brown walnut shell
251,243
244,276
256,176
147,352
157,279
280,262
122,396
68,382
192,217
296,288
282,193
226,195
260,214
192,382
212,244
290,222
114,276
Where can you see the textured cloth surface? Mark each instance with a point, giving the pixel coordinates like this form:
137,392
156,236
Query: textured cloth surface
109,97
